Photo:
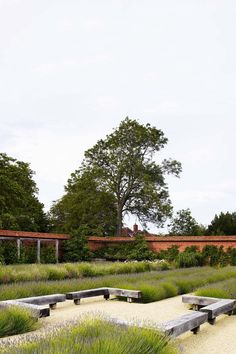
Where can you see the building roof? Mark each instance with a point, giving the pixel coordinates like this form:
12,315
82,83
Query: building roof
33,235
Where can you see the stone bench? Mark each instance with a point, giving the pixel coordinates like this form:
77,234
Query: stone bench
106,292
188,322
218,308
50,300
36,310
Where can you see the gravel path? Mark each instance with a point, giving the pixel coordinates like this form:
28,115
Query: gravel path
218,339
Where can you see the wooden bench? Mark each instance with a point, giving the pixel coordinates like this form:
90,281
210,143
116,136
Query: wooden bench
188,322
218,308
129,294
199,301
78,295
50,300
106,292
36,310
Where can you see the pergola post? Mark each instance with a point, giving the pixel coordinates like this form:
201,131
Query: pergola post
18,241
38,250
57,250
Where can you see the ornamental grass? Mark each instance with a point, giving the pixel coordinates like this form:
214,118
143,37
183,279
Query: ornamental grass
15,320
97,336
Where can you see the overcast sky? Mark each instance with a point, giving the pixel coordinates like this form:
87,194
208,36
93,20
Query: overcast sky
71,70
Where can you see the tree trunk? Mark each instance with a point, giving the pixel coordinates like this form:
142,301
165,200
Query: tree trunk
119,220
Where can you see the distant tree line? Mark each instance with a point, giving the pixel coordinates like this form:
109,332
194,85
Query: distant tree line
184,224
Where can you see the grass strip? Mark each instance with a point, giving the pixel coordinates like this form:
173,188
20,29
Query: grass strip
20,272
154,285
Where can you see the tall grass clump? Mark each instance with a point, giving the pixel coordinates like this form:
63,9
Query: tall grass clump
97,336
15,320
223,289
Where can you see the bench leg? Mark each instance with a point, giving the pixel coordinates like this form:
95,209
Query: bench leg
212,321
52,306
107,296
195,330
230,313
77,301
129,299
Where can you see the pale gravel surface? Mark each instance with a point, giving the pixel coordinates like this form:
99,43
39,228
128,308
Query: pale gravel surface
218,339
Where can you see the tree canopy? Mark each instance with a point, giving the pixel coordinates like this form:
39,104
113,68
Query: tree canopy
184,224
223,224
20,208
123,169
84,206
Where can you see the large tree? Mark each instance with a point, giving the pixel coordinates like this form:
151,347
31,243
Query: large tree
124,165
223,224
20,208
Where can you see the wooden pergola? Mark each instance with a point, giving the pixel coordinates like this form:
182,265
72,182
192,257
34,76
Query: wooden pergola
20,236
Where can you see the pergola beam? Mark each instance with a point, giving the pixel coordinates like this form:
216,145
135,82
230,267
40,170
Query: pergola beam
57,250
38,250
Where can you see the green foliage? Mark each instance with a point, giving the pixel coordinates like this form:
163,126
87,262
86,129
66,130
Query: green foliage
170,254
94,336
184,224
48,254
140,250
76,249
15,320
8,252
84,205
232,256
137,250
211,255
19,205
123,165
223,224
187,260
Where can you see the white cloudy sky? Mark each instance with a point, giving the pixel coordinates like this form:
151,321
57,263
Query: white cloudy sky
70,70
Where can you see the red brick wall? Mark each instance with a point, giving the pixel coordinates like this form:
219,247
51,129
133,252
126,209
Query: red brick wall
162,243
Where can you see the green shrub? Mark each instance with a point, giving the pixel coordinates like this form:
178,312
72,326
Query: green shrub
232,255
170,254
76,248
15,320
140,250
48,254
187,260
